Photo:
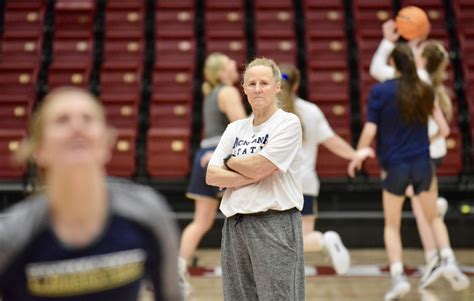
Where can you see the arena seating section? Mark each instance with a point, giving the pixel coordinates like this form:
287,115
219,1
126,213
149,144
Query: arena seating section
143,59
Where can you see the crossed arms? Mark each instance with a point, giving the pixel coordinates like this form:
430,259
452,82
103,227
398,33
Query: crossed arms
245,171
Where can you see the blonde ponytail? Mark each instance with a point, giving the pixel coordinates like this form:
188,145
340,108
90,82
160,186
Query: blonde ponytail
437,60
290,79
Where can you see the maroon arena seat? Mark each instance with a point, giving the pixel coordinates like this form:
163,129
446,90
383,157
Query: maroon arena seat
123,161
10,140
168,153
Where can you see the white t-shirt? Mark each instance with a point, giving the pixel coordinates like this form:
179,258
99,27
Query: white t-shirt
380,70
316,130
279,140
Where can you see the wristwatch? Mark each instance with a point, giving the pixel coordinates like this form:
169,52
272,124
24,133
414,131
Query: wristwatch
227,159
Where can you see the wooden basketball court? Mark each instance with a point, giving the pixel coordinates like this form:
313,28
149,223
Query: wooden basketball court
368,279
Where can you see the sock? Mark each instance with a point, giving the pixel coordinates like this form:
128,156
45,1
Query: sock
447,253
430,255
396,268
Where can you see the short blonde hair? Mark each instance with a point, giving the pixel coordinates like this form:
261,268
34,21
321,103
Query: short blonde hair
262,61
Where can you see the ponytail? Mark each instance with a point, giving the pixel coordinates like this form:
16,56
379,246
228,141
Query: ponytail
437,60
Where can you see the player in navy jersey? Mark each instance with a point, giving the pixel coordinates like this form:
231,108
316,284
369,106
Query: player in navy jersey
431,60
83,237
398,112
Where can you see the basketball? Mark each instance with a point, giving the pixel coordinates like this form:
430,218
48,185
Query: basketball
412,22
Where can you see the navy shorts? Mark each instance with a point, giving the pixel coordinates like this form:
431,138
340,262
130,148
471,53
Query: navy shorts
418,173
197,186
310,206
437,162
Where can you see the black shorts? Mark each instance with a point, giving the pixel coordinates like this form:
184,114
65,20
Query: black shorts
418,173
197,186
437,162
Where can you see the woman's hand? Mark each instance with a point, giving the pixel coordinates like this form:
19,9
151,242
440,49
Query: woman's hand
361,156
364,153
354,166
389,29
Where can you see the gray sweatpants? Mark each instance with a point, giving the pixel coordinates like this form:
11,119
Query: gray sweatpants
262,257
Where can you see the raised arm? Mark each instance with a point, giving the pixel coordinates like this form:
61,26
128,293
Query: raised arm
379,68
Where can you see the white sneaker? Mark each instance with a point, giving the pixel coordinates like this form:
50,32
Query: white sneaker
183,278
400,287
442,206
455,276
433,270
340,257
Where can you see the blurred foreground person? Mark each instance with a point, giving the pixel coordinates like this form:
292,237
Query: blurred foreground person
83,238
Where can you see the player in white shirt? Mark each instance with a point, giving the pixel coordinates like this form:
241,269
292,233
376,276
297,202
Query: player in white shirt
316,131
258,160
431,59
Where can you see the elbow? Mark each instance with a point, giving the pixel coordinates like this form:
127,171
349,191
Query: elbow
210,177
376,72
372,70
445,132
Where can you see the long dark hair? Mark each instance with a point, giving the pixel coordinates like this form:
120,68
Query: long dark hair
415,98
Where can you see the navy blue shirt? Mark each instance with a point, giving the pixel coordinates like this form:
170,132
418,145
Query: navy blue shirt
138,242
397,140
